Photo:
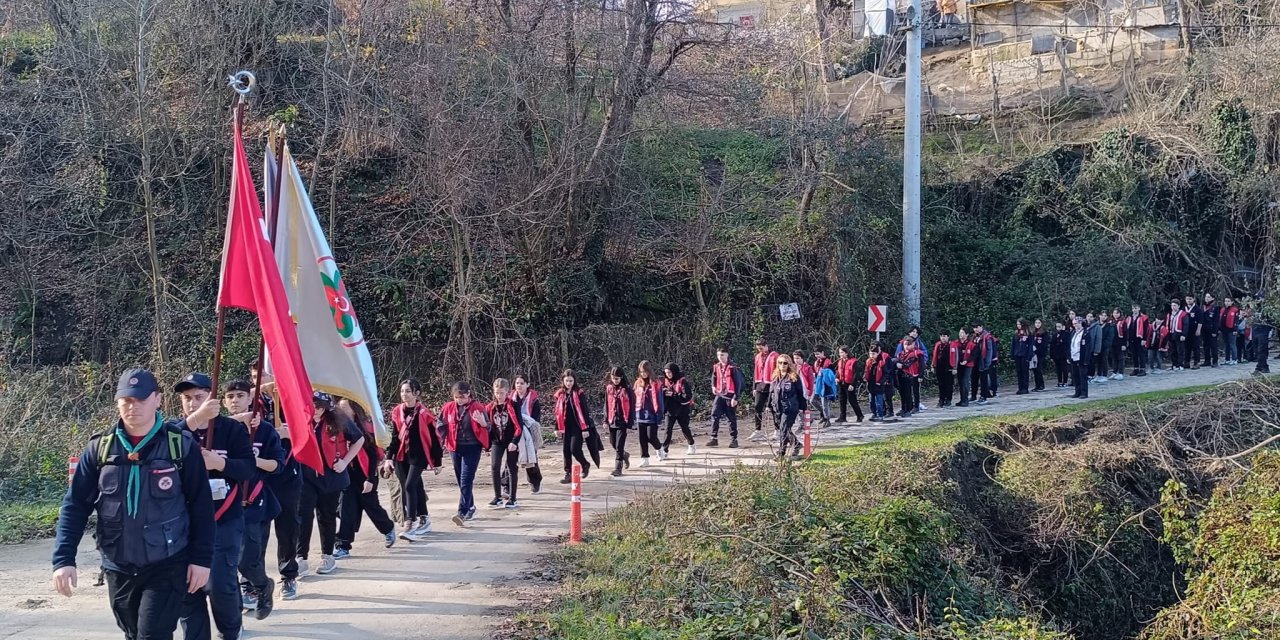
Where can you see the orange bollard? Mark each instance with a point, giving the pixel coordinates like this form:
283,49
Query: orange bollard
808,425
72,463
575,507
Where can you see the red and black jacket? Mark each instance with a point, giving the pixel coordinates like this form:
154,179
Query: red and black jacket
619,406
765,363
909,360
968,353
512,429
946,355
430,440
451,417
726,380
848,372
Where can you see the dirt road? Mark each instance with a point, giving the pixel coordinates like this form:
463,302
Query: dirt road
447,587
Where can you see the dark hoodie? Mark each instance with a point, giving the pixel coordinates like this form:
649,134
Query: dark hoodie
676,393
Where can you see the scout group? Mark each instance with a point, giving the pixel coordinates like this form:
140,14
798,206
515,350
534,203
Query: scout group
185,507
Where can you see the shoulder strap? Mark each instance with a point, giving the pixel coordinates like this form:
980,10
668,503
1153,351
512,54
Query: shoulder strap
178,447
104,442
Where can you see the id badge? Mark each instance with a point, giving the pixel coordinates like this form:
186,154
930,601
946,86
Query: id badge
218,487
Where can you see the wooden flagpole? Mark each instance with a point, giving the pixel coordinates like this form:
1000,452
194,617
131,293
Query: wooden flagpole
242,83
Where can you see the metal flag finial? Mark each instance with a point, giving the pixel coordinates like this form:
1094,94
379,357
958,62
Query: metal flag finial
242,82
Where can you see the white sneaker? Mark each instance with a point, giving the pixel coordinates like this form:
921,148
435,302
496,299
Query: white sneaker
692,450
423,528
303,568
755,437
1117,376
662,454
327,565
410,535
644,462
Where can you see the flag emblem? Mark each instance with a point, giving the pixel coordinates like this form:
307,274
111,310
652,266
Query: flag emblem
344,315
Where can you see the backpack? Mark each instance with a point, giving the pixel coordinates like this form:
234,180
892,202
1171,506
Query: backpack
179,446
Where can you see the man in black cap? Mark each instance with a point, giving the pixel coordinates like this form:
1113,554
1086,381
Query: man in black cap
149,486
228,455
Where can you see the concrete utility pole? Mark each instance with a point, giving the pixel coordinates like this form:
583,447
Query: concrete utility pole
911,169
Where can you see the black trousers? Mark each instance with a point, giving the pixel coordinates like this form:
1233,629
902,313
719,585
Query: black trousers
286,526
1023,365
909,389
672,420
221,595
618,438
974,383
1138,354
573,442
984,381
649,438
355,505
253,557
146,605
966,379
1081,375
1260,348
535,476
1117,356
846,397
320,510
412,491
1064,370
1191,355
1038,373
1177,348
946,386
761,398
1209,343
501,459
723,409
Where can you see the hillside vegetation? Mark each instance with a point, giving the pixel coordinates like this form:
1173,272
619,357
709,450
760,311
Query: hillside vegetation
1134,518
530,186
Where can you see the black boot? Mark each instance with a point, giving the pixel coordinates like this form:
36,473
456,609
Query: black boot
265,600
626,460
617,469
568,478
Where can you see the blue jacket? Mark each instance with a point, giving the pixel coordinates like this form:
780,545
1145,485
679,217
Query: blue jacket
231,441
825,383
649,411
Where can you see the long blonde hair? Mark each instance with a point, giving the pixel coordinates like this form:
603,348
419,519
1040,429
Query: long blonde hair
644,375
791,374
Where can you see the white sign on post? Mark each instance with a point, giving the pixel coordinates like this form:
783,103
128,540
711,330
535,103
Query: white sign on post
877,318
789,311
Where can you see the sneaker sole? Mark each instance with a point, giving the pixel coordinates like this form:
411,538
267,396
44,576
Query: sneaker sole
458,520
289,598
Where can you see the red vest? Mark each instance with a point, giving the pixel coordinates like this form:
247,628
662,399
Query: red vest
765,364
449,413
512,414
948,349
562,407
614,396
332,447
847,371
426,430
966,352
722,382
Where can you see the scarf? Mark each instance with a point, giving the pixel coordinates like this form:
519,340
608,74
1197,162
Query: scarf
134,482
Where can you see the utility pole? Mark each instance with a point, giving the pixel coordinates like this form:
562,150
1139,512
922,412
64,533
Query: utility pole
911,169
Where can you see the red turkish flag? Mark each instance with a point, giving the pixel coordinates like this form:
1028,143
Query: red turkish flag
251,281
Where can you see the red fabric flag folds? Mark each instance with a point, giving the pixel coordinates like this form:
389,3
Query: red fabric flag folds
251,281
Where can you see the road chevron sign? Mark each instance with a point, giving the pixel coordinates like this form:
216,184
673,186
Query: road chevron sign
876,317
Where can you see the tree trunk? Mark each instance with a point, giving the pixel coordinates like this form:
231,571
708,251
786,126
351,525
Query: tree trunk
148,211
820,12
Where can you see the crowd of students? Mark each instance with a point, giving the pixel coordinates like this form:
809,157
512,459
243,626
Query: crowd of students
218,485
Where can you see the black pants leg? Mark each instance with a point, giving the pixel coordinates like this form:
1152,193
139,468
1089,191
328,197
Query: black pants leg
975,382
842,396
1081,375
372,507
984,382
354,506
1138,354
1209,342
1038,374
412,490
306,518
221,595
618,438
253,555
1063,370
946,386
573,451
146,605
1117,356
1191,355
965,374
287,529
535,476
723,408
1176,347
786,433
1023,366
496,457
761,403
644,428
327,520
1260,349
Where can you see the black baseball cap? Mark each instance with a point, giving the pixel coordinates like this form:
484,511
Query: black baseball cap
136,383
194,380
238,385
322,399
